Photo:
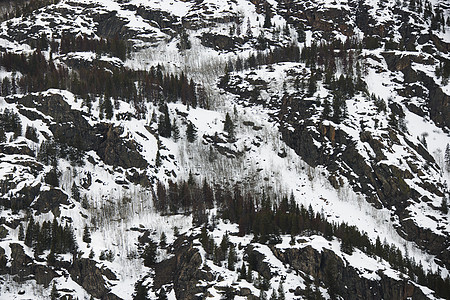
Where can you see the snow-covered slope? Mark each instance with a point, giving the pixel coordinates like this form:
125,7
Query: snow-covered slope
340,106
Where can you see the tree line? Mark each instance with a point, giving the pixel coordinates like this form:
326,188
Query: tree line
268,218
136,87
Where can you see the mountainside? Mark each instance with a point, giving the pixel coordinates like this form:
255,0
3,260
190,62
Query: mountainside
224,149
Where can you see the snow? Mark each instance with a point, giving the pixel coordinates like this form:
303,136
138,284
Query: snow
116,209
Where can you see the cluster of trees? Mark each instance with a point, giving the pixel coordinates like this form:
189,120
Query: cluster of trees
437,18
185,196
225,251
50,151
26,8
268,219
136,87
48,236
289,53
9,122
70,43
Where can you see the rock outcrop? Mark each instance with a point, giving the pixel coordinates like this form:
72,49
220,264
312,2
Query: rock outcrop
184,270
344,280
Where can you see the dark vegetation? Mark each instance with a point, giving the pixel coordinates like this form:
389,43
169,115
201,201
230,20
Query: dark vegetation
268,218
40,74
50,236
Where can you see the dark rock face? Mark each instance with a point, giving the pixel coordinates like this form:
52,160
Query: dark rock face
114,151
383,184
71,128
16,149
85,272
50,200
110,25
164,20
220,42
438,102
23,198
184,270
23,266
344,280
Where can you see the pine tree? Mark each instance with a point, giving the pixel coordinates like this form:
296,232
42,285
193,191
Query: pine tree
243,272
281,295
149,254
54,295
326,113
267,18
163,240
162,294
86,235
108,108
250,274
140,291
249,31
29,235
274,295
444,205
21,233
231,257
447,158
158,161
175,131
191,132
76,192
228,126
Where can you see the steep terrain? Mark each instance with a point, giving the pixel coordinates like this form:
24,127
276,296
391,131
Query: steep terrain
224,149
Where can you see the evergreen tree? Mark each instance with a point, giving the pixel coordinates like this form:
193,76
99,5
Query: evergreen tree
326,113
163,240
86,235
250,274
31,134
444,205
447,158
212,154
228,293
51,259
76,192
267,18
231,257
339,107
149,254
274,295
175,131
108,108
158,161
243,272
191,132
21,233
249,31
162,294
30,233
262,295
281,295
184,43
228,126
140,291
2,135
54,295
